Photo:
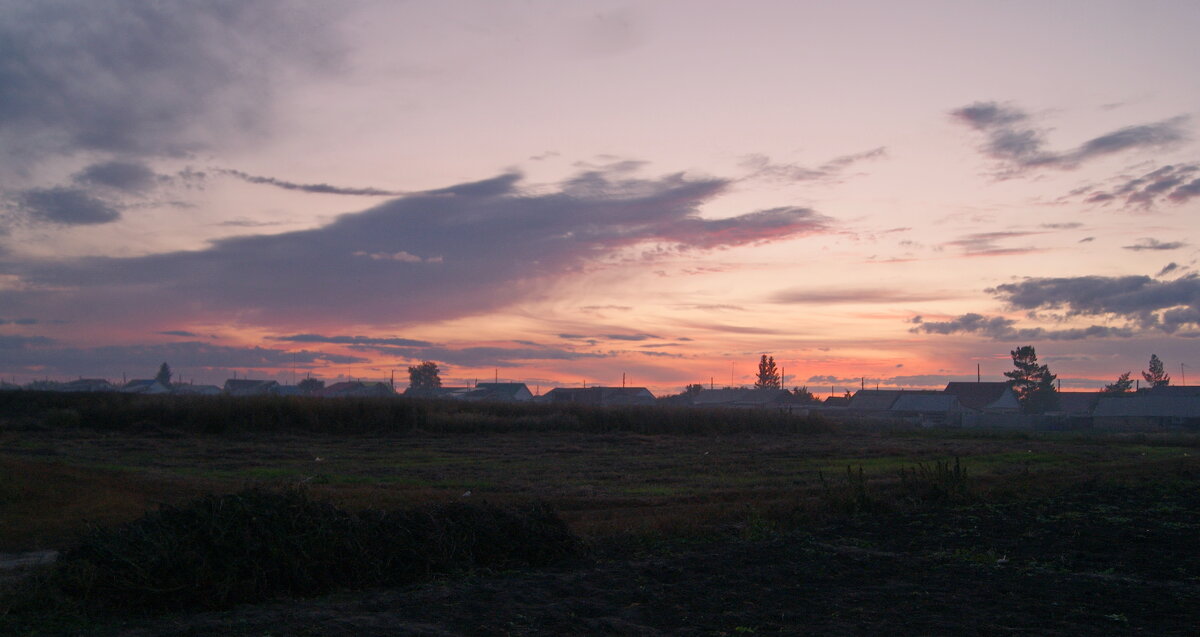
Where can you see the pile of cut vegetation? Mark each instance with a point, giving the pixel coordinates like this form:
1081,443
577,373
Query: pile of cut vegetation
223,550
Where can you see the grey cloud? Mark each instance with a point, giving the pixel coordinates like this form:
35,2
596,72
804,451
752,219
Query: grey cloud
498,247
10,342
351,340
325,189
19,321
66,206
1174,184
145,78
1012,140
181,333
119,175
986,243
1150,303
112,361
1155,244
1000,328
864,295
1167,269
762,167
485,356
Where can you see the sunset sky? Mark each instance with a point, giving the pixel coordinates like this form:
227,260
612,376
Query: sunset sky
565,192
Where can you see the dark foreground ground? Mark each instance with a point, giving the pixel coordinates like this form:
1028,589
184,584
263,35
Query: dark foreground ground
1095,559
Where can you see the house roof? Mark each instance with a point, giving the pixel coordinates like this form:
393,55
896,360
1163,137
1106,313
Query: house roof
874,399
978,395
926,402
1146,405
740,396
504,389
1077,402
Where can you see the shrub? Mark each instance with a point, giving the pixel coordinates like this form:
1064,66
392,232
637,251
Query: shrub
222,550
935,483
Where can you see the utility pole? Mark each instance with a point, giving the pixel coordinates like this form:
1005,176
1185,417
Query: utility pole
978,376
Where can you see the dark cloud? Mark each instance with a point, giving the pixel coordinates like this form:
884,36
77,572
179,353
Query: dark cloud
119,175
1012,139
485,356
351,340
9,342
19,321
985,244
181,333
1001,328
324,189
608,337
1155,244
863,295
62,205
475,247
32,355
1174,184
1146,302
146,78
762,167
1167,269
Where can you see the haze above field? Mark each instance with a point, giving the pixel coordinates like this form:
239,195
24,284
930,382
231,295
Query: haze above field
564,192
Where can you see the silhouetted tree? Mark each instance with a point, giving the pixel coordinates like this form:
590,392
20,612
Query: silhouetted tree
804,395
1156,376
424,377
693,389
1032,383
1122,385
164,375
768,374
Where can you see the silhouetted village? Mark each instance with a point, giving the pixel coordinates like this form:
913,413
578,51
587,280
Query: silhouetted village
1029,400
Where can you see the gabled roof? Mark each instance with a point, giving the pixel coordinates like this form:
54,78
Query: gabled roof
501,391
931,402
740,397
982,395
249,387
874,399
1174,390
601,395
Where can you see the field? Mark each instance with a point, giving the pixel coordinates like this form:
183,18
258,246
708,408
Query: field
784,527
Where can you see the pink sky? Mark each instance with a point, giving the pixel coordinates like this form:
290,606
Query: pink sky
558,193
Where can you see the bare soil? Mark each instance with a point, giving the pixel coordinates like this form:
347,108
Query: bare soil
1097,559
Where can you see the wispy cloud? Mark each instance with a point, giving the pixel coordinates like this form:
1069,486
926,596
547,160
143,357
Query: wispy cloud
1175,184
324,189
1001,328
986,244
859,295
1018,146
352,340
761,167
1154,244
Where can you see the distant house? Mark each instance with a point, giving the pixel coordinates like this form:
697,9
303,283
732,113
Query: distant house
838,402
929,409
250,387
743,398
145,386
356,389
987,398
195,390
924,407
1148,410
500,392
87,385
606,396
